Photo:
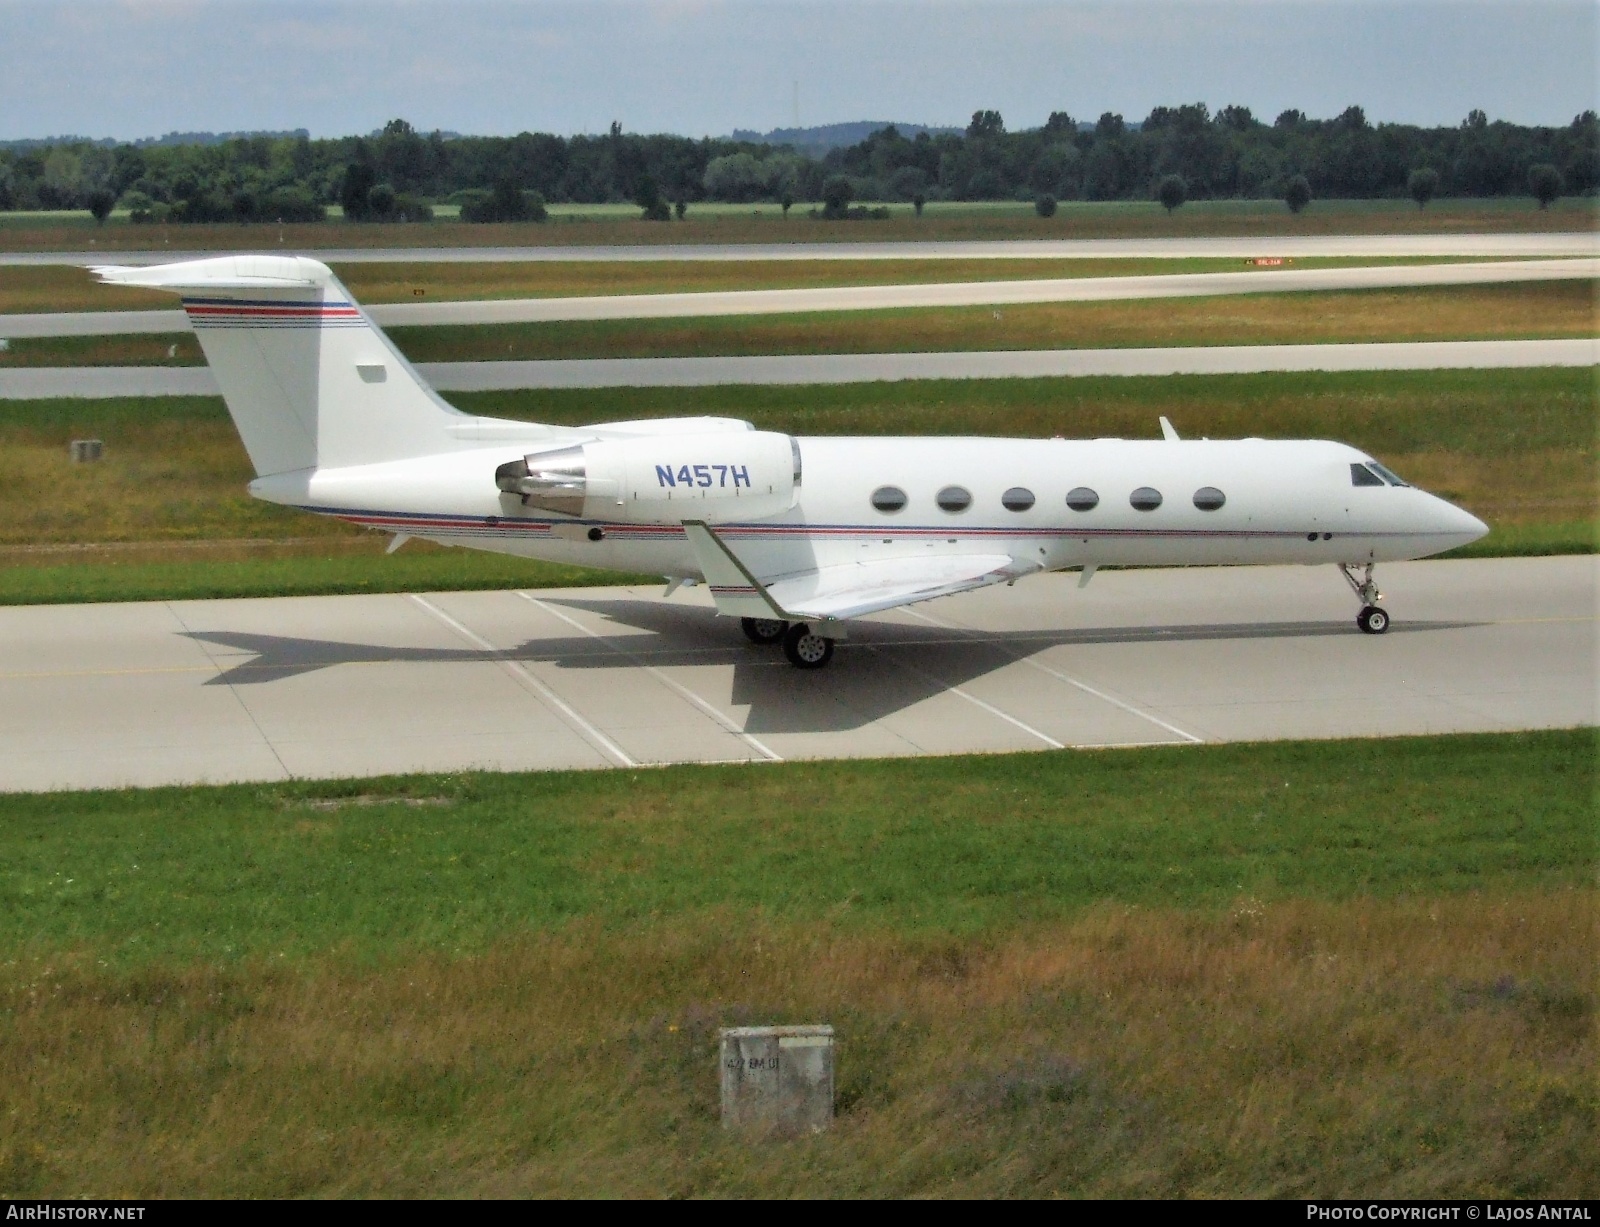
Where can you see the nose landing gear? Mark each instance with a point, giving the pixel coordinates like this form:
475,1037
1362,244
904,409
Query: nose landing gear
1371,619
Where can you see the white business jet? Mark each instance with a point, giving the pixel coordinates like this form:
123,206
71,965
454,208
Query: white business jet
793,536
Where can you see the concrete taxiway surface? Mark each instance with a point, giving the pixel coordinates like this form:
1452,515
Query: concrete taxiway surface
858,298
156,693
43,383
1574,243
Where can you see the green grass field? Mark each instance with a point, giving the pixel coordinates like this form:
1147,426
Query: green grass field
69,288
169,515
1504,312
757,224
1447,313
1296,970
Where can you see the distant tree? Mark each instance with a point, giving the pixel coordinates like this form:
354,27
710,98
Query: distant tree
1289,119
653,208
1045,205
245,205
917,202
1240,119
1060,123
101,201
140,207
291,204
986,124
504,203
1356,118
359,179
1172,191
380,200
1544,181
1422,184
681,209
787,201
836,194
1297,193
409,208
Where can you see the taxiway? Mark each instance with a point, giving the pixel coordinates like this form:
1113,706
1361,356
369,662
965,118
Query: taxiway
181,692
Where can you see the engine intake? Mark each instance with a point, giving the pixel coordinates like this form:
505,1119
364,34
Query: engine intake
551,481
661,479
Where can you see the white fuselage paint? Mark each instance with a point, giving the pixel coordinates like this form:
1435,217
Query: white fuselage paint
1286,502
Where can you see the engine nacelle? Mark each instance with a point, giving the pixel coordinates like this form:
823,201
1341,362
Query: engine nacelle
661,479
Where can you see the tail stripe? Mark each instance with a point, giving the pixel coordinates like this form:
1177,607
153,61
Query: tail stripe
235,313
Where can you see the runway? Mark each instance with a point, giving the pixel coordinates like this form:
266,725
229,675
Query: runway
159,693
1574,243
48,383
857,298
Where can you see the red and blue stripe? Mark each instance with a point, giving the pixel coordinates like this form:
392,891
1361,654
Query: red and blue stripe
248,313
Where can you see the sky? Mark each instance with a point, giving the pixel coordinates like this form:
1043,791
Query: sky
132,68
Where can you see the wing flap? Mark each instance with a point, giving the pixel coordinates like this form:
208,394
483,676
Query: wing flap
846,590
850,590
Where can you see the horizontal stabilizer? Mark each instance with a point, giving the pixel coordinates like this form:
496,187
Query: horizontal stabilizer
221,273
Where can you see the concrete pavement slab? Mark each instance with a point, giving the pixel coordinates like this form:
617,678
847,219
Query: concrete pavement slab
321,686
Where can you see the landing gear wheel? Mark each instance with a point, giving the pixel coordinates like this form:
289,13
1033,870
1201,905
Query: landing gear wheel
1373,620
765,631
805,648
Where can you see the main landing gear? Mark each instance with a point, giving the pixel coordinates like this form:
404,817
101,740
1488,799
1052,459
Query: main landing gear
764,631
804,647
1371,619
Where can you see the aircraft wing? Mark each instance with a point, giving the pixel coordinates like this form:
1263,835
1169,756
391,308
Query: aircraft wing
846,590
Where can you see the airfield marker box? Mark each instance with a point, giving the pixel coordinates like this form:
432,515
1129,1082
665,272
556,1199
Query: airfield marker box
777,1078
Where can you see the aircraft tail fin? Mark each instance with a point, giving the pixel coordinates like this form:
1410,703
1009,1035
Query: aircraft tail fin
309,380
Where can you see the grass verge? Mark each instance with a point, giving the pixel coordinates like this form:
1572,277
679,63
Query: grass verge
70,288
319,568
1211,971
1263,219
166,514
1433,313
1509,312
953,845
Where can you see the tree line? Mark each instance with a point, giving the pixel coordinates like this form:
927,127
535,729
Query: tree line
1183,153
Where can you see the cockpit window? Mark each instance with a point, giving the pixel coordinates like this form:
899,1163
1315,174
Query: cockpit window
1361,475
1386,474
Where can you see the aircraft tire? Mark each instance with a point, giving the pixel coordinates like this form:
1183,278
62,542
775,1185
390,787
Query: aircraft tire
1373,620
765,631
806,649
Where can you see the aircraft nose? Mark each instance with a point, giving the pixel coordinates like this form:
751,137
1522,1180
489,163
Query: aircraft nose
1461,525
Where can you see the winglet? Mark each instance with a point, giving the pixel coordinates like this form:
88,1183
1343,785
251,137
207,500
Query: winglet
1167,432
738,593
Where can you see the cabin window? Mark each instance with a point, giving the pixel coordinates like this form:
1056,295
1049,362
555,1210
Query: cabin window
1387,474
1018,498
953,499
1209,498
1145,499
1082,499
889,498
1361,475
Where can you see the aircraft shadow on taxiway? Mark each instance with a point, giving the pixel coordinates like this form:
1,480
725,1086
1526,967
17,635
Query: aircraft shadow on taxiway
882,669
